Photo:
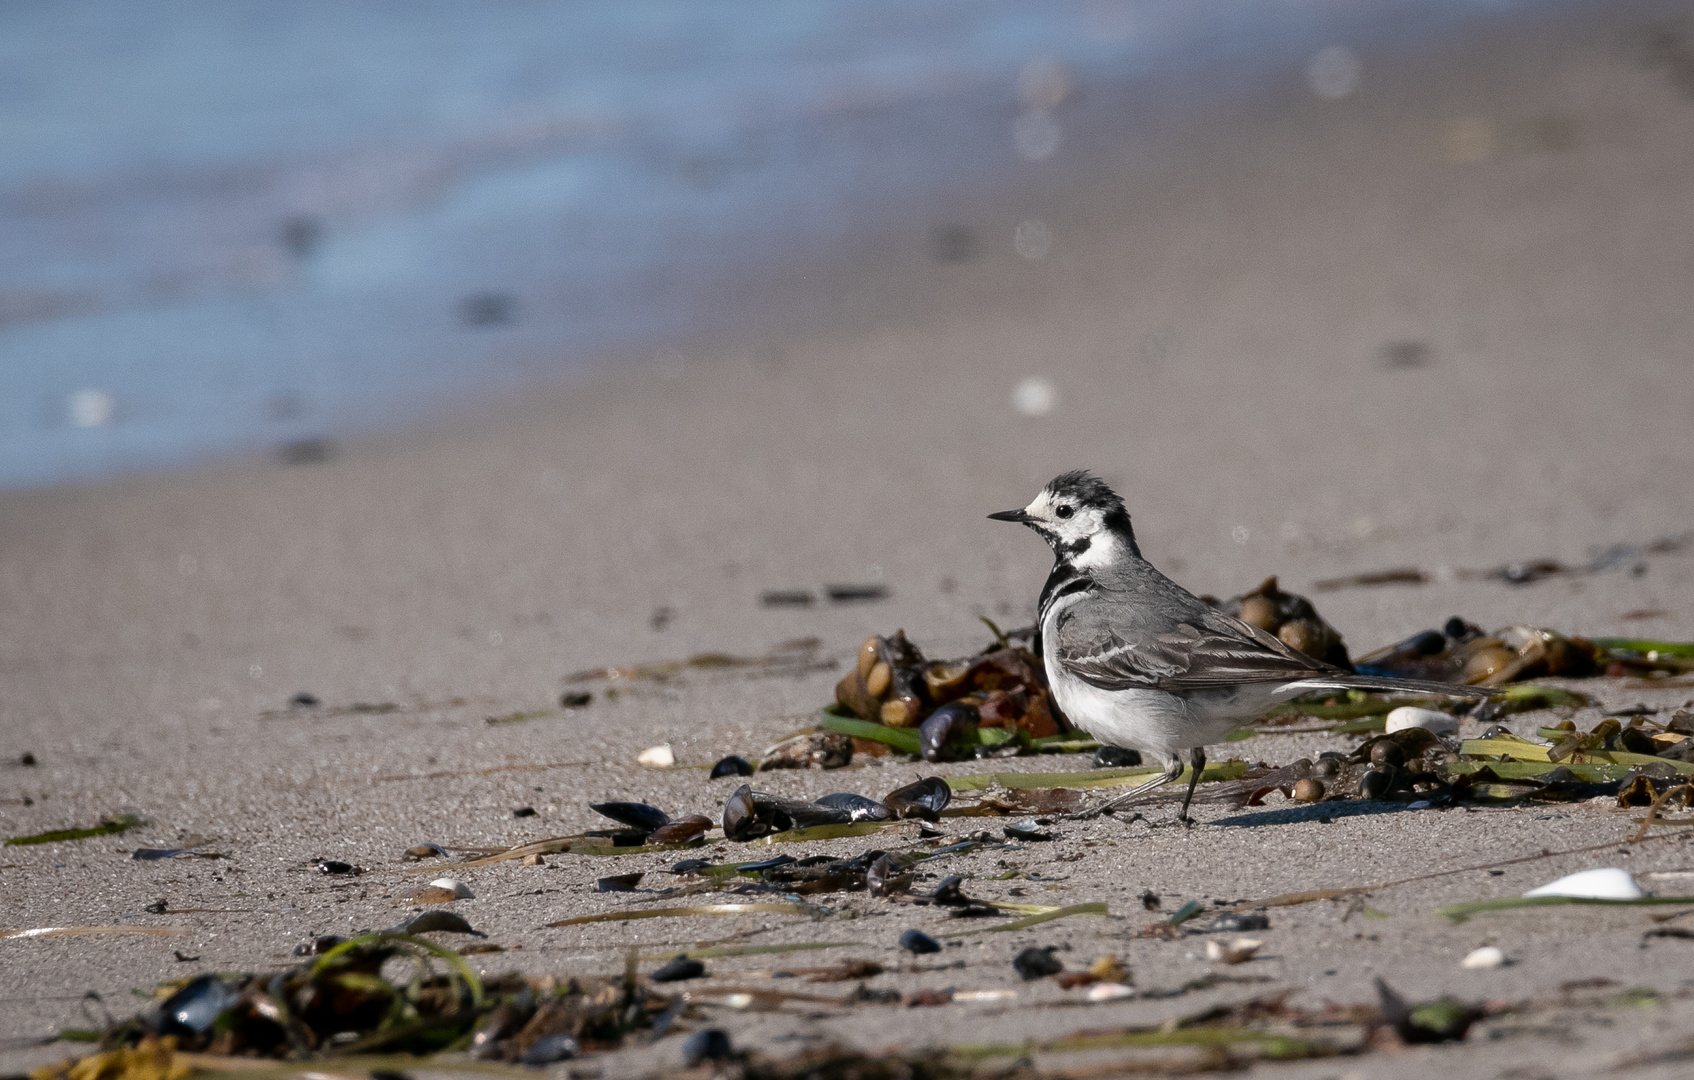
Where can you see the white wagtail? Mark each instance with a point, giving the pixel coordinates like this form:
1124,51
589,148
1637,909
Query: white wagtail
1137,661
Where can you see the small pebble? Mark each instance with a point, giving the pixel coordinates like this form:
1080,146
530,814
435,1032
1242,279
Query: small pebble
1026,830
1486,957
333,866
426,851
27,759
1234,922
1308,790
534,860
1410,716
707,1044
918,943
657,757
303,700
524,811
679,969
1037,962
619,883
575,699
1374,784
1387,752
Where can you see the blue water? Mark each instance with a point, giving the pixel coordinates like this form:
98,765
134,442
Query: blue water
226,225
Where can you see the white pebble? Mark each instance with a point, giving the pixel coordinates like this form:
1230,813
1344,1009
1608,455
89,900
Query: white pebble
1606,883
1486,957
659,757
1110,991
459,889
1410,716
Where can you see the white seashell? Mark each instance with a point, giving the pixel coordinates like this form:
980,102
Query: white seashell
1606,883
984,995
1236,952
459,889
1410,716
1486,957
659,757
1110,991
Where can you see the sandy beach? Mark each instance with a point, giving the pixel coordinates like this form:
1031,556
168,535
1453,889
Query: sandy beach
1219,318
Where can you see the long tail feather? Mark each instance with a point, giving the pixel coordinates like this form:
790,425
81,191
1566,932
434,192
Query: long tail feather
1379,682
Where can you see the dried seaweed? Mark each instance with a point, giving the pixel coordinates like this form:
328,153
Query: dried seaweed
698,909
1460,912
108,827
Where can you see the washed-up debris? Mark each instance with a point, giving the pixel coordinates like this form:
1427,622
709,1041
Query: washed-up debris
707,1044
1488,956
1289,617
919,943
679,969
26,759
441,891
92,931
523,811
355,999
797,657
787,598
1410,716
1238,951
1037,962
1116,757
419,852
1605,883
1000,689
733,765
855,594
858,807
773,908
110,826
657,757
1444,1020
576,699
336,867
815,750
433,922
1629,557
619,882
156,854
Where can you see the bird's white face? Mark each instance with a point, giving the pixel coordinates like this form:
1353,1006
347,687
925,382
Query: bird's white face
1063,522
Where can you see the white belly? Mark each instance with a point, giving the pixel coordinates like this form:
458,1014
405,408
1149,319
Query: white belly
1150,720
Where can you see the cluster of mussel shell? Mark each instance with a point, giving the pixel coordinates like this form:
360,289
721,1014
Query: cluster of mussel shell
1403,765
1289,617
948,700
749,814
1460,652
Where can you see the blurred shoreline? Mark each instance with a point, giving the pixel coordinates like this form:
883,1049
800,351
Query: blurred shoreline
315,258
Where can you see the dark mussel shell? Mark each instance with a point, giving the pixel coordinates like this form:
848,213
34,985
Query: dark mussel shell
682,830
940,737
924,799
888,874
1116,757
193,1009
733,765
749,814
635,815
858,807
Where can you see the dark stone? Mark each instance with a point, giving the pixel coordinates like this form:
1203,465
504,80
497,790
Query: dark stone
1037,962
679,969
733,765
919,943
1116,757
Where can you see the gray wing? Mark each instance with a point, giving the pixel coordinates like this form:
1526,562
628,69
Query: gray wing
1150,632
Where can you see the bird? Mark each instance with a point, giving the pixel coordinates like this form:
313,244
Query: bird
1137,661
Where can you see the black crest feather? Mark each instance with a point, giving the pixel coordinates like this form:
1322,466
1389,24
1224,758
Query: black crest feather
1086,489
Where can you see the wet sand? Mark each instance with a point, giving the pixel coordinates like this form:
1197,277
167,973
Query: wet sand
1213,320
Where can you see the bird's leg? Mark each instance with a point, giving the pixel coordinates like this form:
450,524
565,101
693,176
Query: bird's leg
1173,769
1196,757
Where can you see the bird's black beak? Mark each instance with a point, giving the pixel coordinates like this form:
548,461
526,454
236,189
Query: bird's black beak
1011,515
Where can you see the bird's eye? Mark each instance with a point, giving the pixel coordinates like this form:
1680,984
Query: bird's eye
1064,511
